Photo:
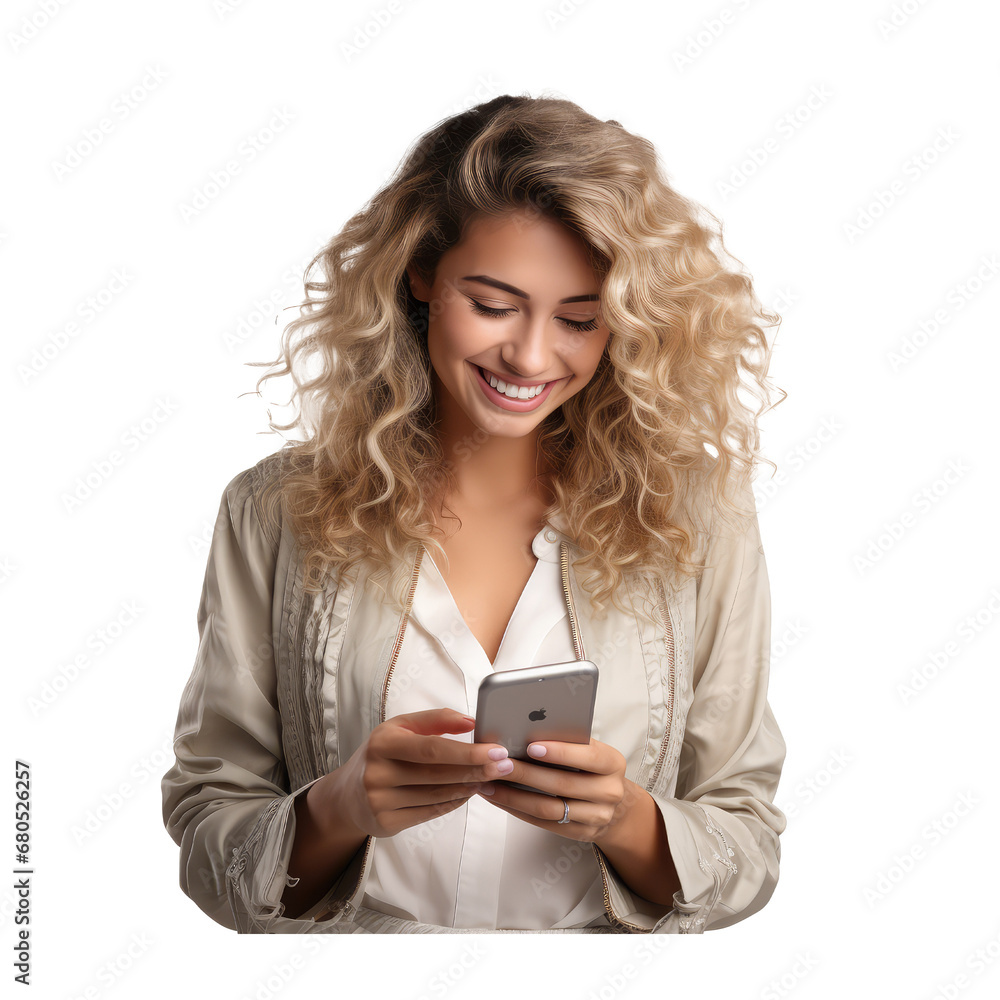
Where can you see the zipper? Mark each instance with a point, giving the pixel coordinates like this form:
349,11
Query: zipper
567,593
397,645
669,643
612,916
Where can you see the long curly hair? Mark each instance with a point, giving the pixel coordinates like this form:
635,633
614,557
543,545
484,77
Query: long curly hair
660,432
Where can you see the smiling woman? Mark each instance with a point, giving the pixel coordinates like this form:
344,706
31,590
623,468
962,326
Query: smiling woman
525,354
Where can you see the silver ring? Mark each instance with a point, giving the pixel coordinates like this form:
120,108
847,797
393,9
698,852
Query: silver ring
565,818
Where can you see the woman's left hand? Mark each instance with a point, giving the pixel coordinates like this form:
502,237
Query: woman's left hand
597,794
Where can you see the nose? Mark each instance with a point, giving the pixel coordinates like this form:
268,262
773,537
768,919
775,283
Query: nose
529,351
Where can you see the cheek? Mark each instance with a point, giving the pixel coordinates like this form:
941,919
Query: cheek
593,351
459,334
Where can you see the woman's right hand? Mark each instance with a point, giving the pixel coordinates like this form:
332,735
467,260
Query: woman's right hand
404,773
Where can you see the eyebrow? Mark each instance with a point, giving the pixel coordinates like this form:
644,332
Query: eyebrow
504,287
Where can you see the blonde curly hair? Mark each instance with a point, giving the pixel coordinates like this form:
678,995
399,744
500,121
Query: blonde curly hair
658,434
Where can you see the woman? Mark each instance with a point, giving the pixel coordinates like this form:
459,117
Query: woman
524,446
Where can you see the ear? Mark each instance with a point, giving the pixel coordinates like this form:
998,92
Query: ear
418,286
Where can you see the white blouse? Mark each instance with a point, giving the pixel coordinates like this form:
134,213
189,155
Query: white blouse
477,866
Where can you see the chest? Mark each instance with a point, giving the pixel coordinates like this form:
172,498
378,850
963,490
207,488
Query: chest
490,560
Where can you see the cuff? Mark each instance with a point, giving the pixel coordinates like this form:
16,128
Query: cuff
258,874
690,834
727,867
693,838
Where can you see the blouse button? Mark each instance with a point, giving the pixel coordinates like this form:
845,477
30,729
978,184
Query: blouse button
550,535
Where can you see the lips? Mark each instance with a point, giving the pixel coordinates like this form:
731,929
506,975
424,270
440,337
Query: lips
505,402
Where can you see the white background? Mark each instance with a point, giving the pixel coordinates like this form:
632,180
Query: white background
879,531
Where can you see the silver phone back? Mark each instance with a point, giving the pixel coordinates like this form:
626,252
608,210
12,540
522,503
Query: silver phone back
554,701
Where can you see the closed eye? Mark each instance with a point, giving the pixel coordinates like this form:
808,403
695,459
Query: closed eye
478,307
579,325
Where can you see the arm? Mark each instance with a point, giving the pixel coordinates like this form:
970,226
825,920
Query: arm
226,800
721,826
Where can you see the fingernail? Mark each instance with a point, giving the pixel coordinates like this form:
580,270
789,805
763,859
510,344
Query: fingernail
505,767
486,790
536,750
497,753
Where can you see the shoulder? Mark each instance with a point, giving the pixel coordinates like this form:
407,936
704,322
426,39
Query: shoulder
255,494
726,527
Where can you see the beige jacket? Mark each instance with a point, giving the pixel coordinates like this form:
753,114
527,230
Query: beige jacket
266,712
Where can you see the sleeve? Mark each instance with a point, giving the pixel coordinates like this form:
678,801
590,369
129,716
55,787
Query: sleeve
722,826
226,799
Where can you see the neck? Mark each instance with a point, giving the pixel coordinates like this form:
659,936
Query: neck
493,471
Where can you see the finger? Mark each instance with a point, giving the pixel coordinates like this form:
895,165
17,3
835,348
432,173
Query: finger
552,780
417,796
403,772
435,720
433,753
542,810
584,756
423,814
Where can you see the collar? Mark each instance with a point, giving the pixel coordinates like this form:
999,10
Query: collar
545,544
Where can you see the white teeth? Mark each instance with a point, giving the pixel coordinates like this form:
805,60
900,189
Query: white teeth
513,391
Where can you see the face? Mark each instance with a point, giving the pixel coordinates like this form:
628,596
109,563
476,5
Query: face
514,327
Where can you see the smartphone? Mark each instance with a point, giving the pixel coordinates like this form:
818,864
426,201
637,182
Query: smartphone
554,701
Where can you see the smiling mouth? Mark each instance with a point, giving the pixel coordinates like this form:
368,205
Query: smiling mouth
522,393
515,403
538,387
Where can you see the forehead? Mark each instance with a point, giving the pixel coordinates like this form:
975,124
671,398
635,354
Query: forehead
531,244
